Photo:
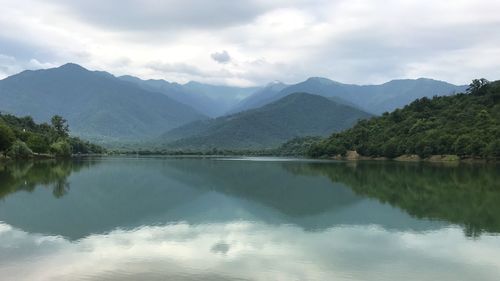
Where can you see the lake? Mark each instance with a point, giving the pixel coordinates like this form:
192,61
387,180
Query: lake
160,218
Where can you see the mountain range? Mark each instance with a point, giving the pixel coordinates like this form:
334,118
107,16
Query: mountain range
210,100
376,99
97,105
105,108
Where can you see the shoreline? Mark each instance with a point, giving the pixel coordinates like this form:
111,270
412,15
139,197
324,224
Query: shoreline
349,157
354,156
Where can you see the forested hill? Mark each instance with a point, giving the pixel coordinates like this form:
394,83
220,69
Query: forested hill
99,106
467,125
296,115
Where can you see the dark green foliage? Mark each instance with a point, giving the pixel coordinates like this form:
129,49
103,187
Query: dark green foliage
296,115
38,143
21,136
60,126
296,146
7,137
478,87
79,146
467,125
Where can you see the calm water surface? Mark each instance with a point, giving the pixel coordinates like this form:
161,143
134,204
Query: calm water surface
250,219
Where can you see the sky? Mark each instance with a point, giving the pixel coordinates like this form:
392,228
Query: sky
254,42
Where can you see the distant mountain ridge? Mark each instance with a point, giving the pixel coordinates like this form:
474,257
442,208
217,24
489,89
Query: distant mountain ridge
373,98
175,91
298,114
97,105
211,100
260,97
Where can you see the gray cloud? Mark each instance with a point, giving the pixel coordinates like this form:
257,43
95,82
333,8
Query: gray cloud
288,40
221,57
190,71
167,14
22,50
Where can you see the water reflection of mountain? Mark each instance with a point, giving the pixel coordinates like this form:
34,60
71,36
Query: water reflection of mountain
264,182
279,195
468,195
128,193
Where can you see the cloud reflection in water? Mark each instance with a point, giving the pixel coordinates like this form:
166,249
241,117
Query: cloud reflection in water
253,251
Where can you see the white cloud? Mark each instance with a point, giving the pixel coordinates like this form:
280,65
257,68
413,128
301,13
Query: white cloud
10,65
250,251
356,41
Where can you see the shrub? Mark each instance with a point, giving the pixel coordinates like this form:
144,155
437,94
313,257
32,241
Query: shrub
38,143
19,150
61,149
7,137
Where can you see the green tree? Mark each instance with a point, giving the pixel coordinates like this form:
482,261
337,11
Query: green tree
390,149
38,143
7,137
493,149
60,126
61,149
462,145
478,86
19,150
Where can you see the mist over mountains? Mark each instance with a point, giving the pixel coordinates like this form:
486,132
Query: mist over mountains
105,108
211,100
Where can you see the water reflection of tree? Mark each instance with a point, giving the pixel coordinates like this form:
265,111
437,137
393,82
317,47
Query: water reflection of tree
468,195
28,175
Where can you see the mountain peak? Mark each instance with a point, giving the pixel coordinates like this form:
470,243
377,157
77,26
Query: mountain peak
417,80
71,67
192,83
321,80
275,85
128,77
275,82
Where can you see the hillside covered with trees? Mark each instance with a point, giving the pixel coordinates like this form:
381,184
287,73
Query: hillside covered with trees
466,125
296,115
21,137
99,106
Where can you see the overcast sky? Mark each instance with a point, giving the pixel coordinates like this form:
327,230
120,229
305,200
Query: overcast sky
253,42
